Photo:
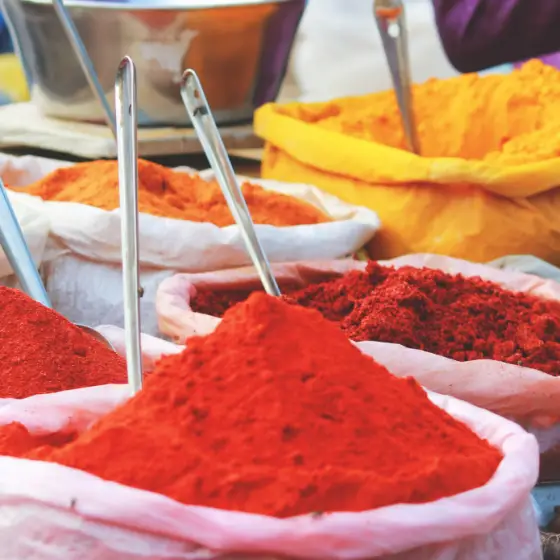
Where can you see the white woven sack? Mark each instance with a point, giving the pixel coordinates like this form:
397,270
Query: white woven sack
83,255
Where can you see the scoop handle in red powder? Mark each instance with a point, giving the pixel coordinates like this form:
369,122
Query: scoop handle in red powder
209,136
391,22
17,252
127,154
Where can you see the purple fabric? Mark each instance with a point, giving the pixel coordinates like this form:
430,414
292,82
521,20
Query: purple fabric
550,59
479,34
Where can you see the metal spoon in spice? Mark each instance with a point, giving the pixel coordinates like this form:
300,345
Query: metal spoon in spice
209,136
127,155
390,18
17,252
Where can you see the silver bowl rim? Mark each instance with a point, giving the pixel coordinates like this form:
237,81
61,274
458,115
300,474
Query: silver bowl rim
149,5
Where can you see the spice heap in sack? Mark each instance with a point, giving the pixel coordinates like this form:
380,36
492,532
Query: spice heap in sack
450,315
171,194
277,413
42,352
486,143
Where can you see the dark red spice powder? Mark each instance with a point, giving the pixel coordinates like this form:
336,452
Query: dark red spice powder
217,302
276,412
42,352
450,315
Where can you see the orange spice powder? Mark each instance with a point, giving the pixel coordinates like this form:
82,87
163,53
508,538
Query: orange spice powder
500,118
171,194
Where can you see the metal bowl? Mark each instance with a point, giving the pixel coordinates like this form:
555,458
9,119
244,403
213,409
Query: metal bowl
239,49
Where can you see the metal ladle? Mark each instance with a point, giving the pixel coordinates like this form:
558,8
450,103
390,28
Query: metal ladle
127,155
209,136
17,252
390,18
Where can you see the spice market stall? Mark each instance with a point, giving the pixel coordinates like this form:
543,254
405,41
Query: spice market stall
306,449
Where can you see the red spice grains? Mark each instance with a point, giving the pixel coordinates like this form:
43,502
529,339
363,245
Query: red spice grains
450,315
16,441
42,352
217,302
277,413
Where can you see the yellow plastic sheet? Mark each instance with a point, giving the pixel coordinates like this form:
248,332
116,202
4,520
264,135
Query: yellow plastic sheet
12,79
477,207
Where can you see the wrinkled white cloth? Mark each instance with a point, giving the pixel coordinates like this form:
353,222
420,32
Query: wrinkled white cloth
529,265
338,50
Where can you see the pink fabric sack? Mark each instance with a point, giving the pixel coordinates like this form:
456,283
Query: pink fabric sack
52,512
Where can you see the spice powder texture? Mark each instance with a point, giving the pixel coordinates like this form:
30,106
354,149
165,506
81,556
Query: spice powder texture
171,194
449,315
277,413
506,119
16,441
42,352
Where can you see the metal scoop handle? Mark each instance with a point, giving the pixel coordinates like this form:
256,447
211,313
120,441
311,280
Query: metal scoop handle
17,252
85,62
209,136
127,152
390,18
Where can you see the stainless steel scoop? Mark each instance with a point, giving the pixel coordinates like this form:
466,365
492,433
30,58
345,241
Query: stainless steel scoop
390,18
17,252
127,154
209,136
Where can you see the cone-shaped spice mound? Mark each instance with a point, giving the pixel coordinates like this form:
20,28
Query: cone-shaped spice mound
276,412
42,352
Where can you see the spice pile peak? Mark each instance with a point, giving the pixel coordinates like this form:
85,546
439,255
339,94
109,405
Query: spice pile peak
42,352
277,413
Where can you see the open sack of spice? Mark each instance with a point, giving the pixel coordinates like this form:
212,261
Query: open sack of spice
42,352
494,345
271,437
185,225
484,185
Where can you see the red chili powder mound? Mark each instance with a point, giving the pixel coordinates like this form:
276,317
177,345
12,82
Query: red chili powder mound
16,441
277,413
42,352
450,315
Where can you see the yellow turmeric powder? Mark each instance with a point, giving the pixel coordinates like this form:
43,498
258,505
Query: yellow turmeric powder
509,119
171,194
